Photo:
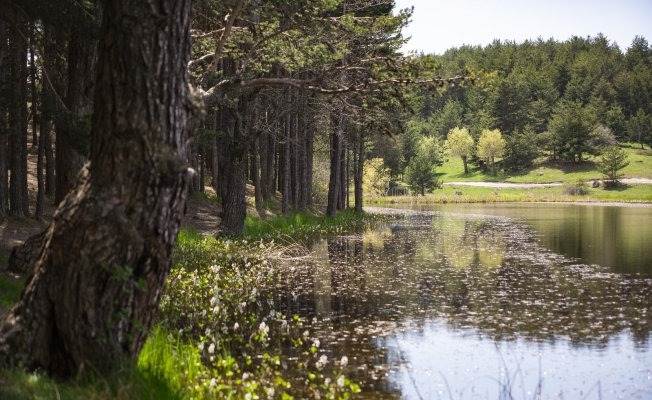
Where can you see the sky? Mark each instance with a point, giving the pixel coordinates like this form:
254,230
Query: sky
439,25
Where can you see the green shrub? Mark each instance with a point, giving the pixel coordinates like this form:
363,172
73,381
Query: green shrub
575,187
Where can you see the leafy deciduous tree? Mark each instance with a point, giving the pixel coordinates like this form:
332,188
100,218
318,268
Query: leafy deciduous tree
491,145
460,144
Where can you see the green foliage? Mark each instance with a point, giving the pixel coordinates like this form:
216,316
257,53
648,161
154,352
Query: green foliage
520,150
573,125
375,178
460,144
10,289
491,145
221,297
640,127
613,159
303,226
575,187
420,173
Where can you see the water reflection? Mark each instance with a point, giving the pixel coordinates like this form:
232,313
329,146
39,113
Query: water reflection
390,298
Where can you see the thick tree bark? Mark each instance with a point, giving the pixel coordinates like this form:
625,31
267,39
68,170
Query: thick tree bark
22,257
97,281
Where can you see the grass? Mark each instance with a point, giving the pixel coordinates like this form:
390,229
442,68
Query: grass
10,288
621,193
543,170
302,226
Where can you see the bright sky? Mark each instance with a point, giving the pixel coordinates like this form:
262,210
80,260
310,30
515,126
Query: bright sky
439,25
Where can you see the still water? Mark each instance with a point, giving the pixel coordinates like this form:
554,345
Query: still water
489,301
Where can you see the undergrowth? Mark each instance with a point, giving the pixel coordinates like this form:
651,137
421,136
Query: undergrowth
303,226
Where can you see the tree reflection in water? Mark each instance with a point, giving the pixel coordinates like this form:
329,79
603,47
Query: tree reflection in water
488,274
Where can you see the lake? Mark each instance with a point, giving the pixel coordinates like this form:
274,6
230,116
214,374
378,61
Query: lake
484,301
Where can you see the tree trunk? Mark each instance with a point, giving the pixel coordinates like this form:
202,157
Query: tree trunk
310,136
202,168
234,204
73,130
258,195
341,203
285,207
466,168
40,179
335,155
4,177
214,156
359,172
97,281
18,201
33,85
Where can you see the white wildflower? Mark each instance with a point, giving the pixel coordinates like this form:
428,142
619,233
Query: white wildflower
306,333
211,348
344,361
327,381
340,381
203,313
323,360
248,396
212,384
270,393
208,331
245,375
316,343
236,326
201,346
216,309
263,328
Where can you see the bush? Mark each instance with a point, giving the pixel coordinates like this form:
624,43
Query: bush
576,187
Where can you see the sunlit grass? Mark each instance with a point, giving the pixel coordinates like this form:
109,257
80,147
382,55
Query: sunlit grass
302,226
544,170
623,193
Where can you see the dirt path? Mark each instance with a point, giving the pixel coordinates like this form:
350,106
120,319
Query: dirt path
512,185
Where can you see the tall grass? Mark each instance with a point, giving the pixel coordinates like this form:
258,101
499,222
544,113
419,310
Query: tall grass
301,226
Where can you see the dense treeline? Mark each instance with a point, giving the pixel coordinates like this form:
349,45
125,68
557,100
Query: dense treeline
275,79
138,108
563,99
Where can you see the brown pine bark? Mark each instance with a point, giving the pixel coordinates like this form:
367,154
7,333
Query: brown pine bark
97,281
234,201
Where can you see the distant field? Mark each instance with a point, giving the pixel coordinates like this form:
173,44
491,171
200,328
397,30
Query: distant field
640,166
628,193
